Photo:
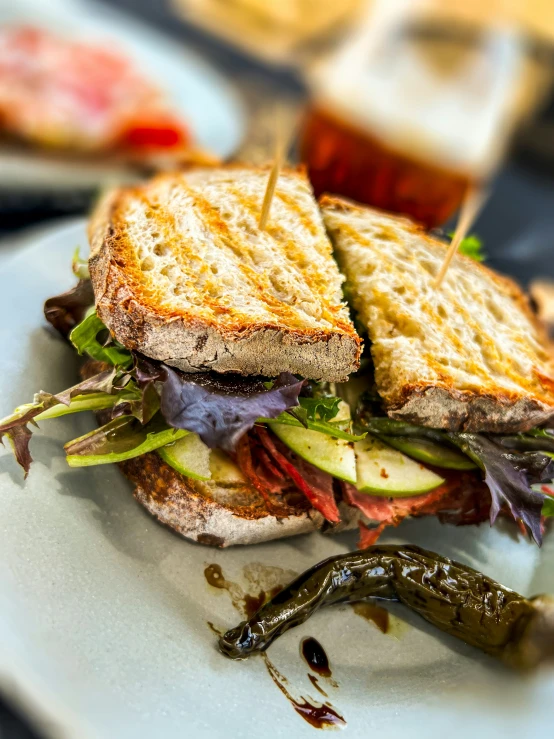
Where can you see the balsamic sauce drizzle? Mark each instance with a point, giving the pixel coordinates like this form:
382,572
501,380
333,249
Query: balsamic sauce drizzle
321,717
316,657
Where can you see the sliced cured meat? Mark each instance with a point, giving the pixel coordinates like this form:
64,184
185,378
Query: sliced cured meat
463,499
316,485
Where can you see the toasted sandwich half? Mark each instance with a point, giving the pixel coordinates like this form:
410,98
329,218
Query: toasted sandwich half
466,367
470,356
216,332
182,273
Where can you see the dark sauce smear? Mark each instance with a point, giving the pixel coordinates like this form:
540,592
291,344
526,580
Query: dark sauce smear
253,603
379,616
244,602
317,686
315,656
320,717
216,631
214,576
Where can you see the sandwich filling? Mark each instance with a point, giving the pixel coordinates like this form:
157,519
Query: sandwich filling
328,443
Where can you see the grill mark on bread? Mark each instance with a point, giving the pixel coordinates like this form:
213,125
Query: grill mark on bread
230,239
306,274
294,256
211,219
291,203
470,356
244,326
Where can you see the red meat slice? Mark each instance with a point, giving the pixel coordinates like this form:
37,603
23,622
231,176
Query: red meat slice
462,499
316,485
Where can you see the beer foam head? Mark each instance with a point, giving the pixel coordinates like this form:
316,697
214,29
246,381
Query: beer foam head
447,103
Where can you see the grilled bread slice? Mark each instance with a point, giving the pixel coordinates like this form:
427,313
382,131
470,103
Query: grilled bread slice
225,513
182,273
226,510
469,356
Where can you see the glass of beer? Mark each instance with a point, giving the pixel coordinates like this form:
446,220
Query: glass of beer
349,160
409,114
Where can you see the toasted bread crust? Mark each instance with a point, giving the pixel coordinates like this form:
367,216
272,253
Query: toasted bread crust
211,514
217,333
415,386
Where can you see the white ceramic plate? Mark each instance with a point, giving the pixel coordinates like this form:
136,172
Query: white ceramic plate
103,612
206,101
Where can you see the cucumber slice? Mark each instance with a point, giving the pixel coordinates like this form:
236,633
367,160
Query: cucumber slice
189,456
335,456
385,471
223,469
427,451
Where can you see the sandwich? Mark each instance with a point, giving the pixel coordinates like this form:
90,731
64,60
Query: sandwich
465,368
245,400
196,325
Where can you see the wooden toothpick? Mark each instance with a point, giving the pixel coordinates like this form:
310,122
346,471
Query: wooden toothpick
472,204
274,174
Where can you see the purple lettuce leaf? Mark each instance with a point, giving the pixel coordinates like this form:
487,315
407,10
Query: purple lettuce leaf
67,310
102,382
509,476
146,373
19,438
220,410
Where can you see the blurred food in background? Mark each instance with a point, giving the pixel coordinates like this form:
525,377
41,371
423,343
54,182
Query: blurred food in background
417,106
64,96
412,102
286,32
91,97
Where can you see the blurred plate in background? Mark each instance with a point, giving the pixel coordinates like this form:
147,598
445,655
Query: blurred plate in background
206,101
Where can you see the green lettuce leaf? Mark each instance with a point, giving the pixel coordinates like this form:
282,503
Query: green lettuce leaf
78,404
80,266
84,338
143,404
548,506
472,246
317,409
121,439
15,426
324,427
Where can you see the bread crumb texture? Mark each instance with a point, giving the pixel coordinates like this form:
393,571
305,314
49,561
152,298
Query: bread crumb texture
470,355
185,248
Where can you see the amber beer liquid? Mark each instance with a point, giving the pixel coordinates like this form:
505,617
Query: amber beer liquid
347,160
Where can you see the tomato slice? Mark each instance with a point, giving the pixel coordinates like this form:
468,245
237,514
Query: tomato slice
164,133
